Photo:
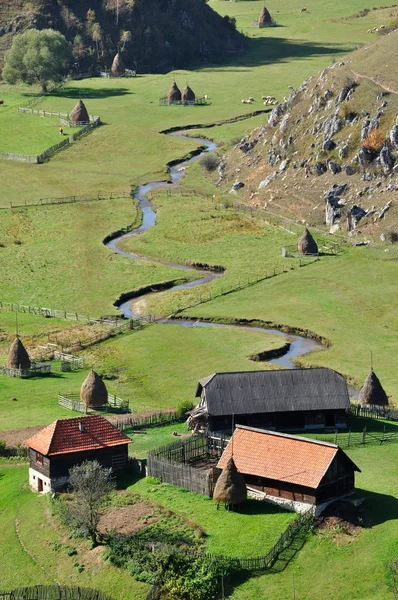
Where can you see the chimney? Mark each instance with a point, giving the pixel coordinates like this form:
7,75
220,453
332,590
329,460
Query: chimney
82,427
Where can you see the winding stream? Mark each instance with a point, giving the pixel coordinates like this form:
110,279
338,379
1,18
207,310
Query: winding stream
298,345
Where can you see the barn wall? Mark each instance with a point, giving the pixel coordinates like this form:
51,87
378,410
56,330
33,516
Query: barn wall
43,469
281,489
288,421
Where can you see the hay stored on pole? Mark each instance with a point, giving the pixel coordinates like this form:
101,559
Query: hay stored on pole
188,95
174,94
307,244
18,358
372,392
79,114
93,391
264,20
118,69
230,487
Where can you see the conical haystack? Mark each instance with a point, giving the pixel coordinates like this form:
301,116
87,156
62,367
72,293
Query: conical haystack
93,391
230,487
79,114
174,94
307,244
188,95
18,358
118,68
372,392
264,20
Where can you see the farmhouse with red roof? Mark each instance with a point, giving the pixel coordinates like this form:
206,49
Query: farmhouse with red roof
295,472
68,442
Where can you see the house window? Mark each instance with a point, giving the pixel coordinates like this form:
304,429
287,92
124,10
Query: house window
39,458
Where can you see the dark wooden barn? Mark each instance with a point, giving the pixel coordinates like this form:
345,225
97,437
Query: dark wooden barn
288,399
69,442
294,472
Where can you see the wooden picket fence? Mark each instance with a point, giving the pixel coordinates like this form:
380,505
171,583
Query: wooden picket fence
72,402
69,200
53,592
155,420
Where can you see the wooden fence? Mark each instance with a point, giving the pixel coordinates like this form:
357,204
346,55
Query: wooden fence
362,438
156,420
72,402
63,314
75,361
173,463
69,200
64,116
53,592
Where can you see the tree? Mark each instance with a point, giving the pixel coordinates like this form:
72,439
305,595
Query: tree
91,484
96,34
37,57
125,37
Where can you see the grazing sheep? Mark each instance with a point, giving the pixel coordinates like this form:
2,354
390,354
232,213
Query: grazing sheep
251,99
304,9
1,102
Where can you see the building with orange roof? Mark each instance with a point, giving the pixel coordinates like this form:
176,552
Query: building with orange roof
68,442
295,472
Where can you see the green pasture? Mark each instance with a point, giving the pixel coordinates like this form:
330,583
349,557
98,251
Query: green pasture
250,532
23,133
44,559
53,256
129,148
155,368
153,437
346,567
348,299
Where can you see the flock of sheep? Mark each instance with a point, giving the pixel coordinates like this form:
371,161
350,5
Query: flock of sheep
376,29
267,100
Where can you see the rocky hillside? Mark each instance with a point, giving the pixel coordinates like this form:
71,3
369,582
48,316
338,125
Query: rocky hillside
328,153
154,35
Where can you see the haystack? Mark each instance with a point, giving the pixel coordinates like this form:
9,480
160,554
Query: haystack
79,114
174,94
93,391
372,392
307,244
188,95
18,358
118,69
264,20
230,487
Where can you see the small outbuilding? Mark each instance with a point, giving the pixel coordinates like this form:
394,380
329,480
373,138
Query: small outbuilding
18,357
69,442
118,69
188,96
230,487
174,94
264,20
297,473
93,392
79,114
372,393
307,244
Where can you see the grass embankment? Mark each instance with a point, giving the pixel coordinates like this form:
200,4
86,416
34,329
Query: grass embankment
128,147
53,256
347,567
347,299
155,368
48,544
250,532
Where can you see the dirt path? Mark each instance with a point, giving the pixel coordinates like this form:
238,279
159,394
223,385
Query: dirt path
383,87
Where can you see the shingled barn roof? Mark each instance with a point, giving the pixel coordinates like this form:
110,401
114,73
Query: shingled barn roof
251,392
79,434
280,457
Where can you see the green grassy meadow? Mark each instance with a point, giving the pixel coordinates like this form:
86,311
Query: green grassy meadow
54,256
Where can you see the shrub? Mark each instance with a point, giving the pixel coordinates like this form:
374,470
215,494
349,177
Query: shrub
392,236
184,407
374,141
2,447
209,161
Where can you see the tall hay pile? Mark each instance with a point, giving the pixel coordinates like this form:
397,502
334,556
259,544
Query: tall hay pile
264,20
118,69
230,487
79,114
93,391
188,95
372,393
174,94
18,358
307,244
